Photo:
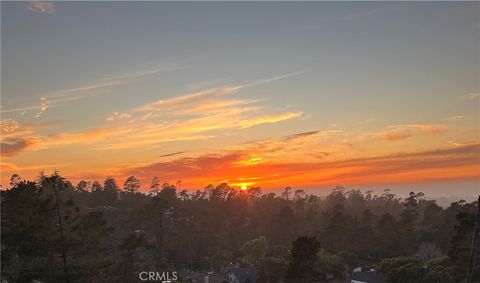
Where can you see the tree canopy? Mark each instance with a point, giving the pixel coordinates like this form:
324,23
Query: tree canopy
54,231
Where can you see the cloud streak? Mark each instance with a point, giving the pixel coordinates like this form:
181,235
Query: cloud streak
111,82
205,94
401,132
59,97
193,116
454,118
188,98
172,154
472,95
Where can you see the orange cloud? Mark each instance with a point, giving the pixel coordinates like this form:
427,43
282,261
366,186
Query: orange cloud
16,137
441,164
133,132
188,98
180,102
11,147
312,158
192,116
400,132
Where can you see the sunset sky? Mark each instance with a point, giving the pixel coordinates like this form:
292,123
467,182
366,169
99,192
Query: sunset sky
309,95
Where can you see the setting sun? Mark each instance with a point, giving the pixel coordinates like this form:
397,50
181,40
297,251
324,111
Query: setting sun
243,187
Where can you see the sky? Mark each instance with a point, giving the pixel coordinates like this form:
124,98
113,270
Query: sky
272,94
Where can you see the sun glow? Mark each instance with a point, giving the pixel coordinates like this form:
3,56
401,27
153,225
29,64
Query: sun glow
242,184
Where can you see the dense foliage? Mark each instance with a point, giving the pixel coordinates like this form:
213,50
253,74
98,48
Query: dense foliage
53,231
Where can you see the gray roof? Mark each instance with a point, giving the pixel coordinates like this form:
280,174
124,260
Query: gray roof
368,276
245,274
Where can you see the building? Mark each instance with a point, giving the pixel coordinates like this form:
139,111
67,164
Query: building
242,275
201,277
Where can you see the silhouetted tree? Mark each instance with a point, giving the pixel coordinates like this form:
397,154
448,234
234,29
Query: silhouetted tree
83,186
131,185
304,256
96,187
110,191
271,269
155,186
255,250
402,270
461,245
15,180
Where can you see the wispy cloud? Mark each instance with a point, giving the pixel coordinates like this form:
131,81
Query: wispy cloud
455,118
193,116
276,78
269,119
117,115
111,81
401,132
217,105
172,154
472,95
59,97
10,128
188,98
211,93
138,134
22,109
350,16
43,107
42,7
301,135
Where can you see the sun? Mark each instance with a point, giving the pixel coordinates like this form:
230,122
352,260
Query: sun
243,187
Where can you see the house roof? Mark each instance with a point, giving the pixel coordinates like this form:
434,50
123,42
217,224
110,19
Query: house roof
368,276
244,274
200,276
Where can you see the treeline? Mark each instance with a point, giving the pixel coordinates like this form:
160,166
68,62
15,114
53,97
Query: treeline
53,231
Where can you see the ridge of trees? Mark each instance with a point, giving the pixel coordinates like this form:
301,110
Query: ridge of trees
53,231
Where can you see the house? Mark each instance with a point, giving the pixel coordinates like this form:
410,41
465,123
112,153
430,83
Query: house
201,277
366,276
186,275
242,275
